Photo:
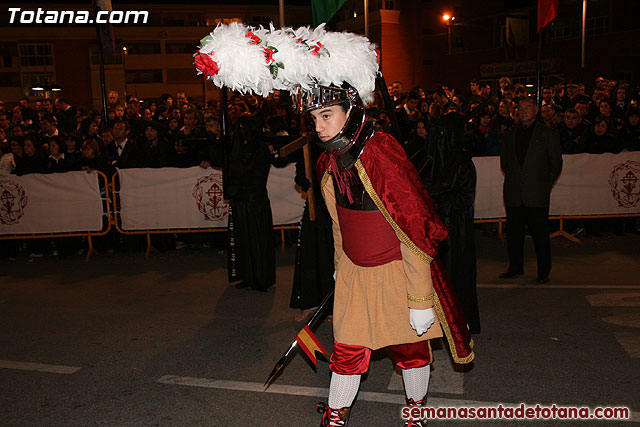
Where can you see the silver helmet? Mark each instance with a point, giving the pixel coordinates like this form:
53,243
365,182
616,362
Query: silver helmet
349,143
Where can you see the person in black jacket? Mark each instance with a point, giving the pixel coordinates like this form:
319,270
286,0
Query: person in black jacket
572,131
123,152
531,160
33,159
91,160
251,210
630,134
57,162
158,153
449,175
598,139
314,263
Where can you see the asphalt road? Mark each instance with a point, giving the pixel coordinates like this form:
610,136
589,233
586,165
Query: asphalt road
122,341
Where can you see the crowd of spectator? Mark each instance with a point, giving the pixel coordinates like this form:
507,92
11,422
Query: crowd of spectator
603,121
48,136
54,136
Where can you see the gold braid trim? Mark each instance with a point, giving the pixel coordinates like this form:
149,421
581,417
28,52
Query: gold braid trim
325,178
376,199
445,327
430,351
421,298
405,239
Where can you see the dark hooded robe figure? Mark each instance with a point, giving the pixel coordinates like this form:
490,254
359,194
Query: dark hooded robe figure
314,264
253,222
449,175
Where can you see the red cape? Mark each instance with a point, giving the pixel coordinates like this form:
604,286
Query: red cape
393,183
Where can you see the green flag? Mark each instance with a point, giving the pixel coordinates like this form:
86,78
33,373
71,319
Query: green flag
323,10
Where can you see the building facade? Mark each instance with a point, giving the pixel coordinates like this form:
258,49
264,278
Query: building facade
149,59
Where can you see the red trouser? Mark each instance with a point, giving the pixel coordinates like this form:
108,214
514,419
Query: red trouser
354,359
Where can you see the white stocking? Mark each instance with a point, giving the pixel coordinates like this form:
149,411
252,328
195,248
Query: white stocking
416,382
343,390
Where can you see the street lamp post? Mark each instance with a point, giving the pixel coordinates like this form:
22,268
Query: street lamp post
124,69
448,19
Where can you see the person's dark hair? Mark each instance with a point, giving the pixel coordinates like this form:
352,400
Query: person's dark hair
60,142
194,112
580,101
344,105
248,129
497,122
48,118
276,124
413,95
126,124
84,125
373,112
34,139
599,119
95,146
633,111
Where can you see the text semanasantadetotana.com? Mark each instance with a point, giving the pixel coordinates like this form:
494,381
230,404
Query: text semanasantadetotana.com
521,412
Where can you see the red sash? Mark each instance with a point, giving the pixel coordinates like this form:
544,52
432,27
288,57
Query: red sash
367,238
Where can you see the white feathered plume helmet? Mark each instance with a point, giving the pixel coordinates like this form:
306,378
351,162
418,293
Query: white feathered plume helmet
261,60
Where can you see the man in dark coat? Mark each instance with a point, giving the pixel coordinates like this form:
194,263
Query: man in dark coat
531,160
449,175
123,153
250,206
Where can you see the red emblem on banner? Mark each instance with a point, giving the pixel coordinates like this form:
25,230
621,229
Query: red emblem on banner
625,183
13,200
209,197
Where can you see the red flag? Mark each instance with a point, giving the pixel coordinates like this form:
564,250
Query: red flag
547,11
310,344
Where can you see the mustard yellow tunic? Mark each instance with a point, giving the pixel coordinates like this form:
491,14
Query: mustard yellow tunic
371,307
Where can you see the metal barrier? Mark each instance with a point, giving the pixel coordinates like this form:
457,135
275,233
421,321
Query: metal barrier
88,234
112,219
116,223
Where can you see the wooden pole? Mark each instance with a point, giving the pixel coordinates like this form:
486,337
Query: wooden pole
308,171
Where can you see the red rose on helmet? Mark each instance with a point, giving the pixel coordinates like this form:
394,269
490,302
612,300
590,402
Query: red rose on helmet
254,39
268,53
205,64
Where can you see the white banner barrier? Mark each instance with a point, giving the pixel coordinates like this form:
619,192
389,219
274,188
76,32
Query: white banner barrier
590,184
192,198
52,203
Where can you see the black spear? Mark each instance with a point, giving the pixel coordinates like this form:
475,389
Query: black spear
283,360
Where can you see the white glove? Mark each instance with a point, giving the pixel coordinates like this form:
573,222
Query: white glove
421,320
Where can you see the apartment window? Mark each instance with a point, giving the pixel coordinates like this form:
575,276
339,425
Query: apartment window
30,79
143,48
114,59
8,51
182,75
560,33
599,25
36,55
10,79
181,47
143,76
